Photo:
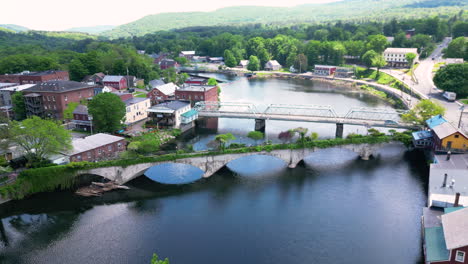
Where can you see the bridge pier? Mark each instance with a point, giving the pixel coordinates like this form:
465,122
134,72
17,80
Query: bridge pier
339,130
260,125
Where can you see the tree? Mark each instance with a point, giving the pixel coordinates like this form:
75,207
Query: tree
68,112
254,64
77,70
377,43
460,29
156,260
212,81
40,138
458,48
301,131
301,63
5,134
181,78
19,106
453,78
378,62
108,112
229,59
368,58
223,139
182,60
410,58
424,110
256,135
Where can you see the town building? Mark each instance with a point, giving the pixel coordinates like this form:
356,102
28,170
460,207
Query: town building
7,92
344,72
169,114
28,77
104,89
199,59
81,119
50,99
96,147
325,70
410,33
197,93
449,138
445,236
168,63
162,93
155,83
197,80
396,57
243,64
136,109
94,79
422,139
272,65
218,60
187,54
116,81
6,85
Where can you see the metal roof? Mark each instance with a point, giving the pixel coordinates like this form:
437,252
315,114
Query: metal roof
401,50
58,86
444,130
167,89
18,87
112,78
156,83
273,63
455,226
448,210
435,121
91,142
435,244
196,88
190,113
81,110
188,52
423,134
168,107
135,100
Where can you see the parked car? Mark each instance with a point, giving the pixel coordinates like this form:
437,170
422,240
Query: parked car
450,96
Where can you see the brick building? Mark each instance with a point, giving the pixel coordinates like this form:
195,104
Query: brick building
27,77
162,93
97,147
49,99
168,63
81,118
197,93
115,81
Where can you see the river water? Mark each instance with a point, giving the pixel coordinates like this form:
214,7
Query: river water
333,208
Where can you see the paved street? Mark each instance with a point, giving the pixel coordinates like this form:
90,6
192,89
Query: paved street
424,85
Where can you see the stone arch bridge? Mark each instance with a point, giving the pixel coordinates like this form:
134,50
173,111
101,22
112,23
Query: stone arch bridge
210,164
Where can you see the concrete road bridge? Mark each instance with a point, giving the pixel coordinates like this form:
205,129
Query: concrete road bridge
369,117
210,164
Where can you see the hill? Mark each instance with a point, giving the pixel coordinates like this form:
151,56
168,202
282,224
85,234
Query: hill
92,30
15,28
346,10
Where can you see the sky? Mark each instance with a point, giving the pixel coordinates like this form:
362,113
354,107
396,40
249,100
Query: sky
64,14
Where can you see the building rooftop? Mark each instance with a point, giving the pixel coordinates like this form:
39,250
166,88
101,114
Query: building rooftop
435,244
401,50
423,134
435,121
273,63
4,85
168,88
188,52
190,113
134,100
244,62
325,66
17,87
112,78
444,130
156,83
456,162
81,110
58,86
168,107
91,142
455,226
196,88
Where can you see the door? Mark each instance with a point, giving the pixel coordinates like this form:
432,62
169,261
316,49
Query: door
449,144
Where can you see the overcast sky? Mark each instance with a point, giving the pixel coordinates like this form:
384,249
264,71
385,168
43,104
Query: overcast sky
63,14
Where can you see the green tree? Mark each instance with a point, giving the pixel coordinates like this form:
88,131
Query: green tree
460,29
301,63
223,139
458,48
68,112
212,81
156,260
302,132
108,112
229,59
182,60
254,64
19,106
40,138
410,58
181,78
5,134
424,110
453,78
377,43
378,62
256,135
368,58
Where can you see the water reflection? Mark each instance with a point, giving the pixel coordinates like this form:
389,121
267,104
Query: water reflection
174,173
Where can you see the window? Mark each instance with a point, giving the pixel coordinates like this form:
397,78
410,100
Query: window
89,154
119,145
53,98
460,256
457,136
78,157
109,147
66,98
45,107
99,151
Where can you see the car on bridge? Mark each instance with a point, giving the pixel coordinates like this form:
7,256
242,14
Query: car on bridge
390,122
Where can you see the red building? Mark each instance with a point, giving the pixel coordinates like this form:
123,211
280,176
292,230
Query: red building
192,80
27,77
162,93
168,63
324,70
197,93
49,99
115,81
97,147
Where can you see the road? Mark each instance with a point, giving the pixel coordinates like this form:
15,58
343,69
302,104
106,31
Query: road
424,85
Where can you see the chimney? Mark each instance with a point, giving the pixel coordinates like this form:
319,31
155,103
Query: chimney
457,199
448,155
444,184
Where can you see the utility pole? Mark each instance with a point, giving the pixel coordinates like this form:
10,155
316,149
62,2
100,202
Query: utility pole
461,115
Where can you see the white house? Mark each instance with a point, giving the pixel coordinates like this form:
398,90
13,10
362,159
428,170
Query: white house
243,64
272,65
396,57
136,109
169,114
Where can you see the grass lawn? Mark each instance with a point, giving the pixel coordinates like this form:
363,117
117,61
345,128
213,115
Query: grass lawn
465,101
139,94
437,66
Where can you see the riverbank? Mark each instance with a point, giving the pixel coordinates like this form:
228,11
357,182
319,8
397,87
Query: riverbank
63,176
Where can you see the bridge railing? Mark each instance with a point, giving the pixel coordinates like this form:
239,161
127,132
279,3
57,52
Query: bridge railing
235,107
301,110
377,114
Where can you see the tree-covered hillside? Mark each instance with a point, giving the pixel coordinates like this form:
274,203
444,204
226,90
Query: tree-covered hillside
92,30
15,28
347,10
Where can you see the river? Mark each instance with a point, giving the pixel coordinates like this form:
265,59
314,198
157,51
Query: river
333,208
